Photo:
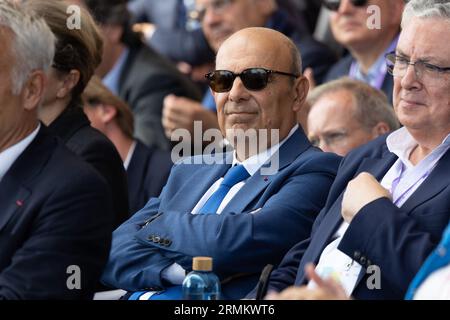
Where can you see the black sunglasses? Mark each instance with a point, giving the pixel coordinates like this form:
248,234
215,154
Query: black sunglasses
334,5
253,78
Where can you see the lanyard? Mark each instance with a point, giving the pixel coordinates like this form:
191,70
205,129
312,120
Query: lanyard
396,182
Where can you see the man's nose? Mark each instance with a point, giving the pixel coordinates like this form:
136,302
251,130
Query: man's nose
238,91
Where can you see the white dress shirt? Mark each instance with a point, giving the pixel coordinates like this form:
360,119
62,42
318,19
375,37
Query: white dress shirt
10,155
175,273
402,179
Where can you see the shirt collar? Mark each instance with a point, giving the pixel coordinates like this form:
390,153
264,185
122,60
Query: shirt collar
401,143
10,155
378,67
254,163
127,161
112,78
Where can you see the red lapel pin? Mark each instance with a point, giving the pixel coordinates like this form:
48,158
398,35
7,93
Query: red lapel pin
19,203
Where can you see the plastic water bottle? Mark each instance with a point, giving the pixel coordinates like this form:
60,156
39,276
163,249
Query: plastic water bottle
201,283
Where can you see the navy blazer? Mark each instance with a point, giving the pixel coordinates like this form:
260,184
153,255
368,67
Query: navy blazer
342,69
397,240
55,212
147,173
263,220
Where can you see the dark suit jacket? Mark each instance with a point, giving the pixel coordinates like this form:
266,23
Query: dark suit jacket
397,240
55,212
170,39
262,221
74,128
147,174
342,68
145,80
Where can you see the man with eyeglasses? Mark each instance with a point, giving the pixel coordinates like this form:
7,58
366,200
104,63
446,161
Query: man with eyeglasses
220,19
346,114
354,26
243,208
390,202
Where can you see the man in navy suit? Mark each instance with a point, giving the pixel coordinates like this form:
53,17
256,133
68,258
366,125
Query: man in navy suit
253,219
390,201
55,210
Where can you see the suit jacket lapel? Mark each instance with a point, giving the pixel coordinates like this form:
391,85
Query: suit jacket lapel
288,152
14,191
431,186
204,177
333,220
378,167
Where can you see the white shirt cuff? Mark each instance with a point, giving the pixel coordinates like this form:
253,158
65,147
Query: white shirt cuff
174,274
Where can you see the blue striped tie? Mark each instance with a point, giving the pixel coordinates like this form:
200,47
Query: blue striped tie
439,258
234,175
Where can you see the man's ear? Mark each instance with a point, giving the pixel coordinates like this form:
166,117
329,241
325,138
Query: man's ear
301,89
380,129
107,113
33,90
69,81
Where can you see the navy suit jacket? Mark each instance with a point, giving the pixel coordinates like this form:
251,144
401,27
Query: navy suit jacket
147,173
397,240
263,220
342,69
55,212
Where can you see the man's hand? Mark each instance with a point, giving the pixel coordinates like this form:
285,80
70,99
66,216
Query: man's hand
180,113
146,29
361,191
327,289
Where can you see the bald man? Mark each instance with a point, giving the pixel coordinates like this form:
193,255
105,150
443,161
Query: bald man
231,206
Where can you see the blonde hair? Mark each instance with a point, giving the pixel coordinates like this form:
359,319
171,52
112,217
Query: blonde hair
97,93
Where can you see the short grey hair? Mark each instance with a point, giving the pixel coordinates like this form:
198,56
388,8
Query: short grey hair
426,9
33,45
371,105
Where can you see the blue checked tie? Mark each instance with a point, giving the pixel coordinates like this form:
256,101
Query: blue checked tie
440,257
234,175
